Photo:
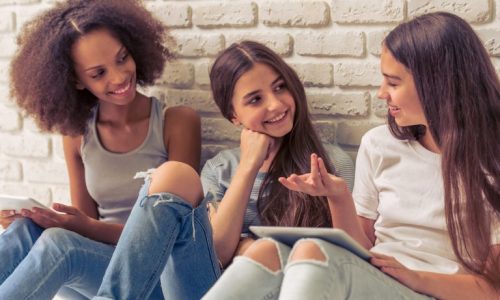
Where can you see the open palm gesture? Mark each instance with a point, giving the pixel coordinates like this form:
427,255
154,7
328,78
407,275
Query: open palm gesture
316,183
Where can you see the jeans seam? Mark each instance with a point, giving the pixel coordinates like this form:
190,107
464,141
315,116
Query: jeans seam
210,249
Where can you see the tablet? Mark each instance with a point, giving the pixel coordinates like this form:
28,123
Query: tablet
289,235
8,202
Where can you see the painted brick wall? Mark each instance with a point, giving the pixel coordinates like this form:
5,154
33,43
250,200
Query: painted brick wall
334,46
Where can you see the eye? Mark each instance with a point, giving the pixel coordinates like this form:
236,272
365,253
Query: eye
280,86
254,100
97,74
123,57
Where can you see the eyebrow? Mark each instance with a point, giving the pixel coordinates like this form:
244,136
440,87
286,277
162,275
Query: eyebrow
391,76
99,66
257,91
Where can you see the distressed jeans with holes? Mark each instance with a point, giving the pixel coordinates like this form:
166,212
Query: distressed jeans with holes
342,276
165,240
246,279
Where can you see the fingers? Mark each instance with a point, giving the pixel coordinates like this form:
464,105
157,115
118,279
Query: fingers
290,182
43,217
315,176
5,221
322,169
7,213
384,261
65,209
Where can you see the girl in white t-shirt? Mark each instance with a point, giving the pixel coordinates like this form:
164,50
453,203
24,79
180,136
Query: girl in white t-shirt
426,193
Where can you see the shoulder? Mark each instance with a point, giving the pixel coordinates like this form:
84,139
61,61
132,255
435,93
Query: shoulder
225,159
72,145
380,137
181,121
181,114
378,132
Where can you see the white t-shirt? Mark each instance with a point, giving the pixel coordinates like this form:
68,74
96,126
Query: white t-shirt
399,184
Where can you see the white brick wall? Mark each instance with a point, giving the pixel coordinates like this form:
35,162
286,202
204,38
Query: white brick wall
334,45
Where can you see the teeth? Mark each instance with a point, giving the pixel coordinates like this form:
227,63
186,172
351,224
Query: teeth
120,91
277,118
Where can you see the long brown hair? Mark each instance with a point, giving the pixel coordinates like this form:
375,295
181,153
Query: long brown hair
276,204
43,81
460,95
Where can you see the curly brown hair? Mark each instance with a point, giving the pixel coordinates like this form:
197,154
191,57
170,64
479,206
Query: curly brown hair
43,80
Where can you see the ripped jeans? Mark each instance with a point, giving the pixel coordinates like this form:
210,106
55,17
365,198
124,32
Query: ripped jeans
164,240
342,276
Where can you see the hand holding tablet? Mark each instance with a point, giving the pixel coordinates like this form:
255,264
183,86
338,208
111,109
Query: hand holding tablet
8,202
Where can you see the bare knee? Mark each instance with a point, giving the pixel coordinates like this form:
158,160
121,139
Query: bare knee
179,179
264,252
307,250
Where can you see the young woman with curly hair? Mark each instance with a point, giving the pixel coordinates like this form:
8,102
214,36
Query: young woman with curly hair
76,73
426,198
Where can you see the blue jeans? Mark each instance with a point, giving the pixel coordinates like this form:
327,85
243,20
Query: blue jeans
342,276
164,239
36,263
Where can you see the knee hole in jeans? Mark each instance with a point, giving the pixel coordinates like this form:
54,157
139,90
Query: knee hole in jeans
264,252
307,250
179,179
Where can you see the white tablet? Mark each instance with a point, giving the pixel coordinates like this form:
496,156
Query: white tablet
8,202
289,235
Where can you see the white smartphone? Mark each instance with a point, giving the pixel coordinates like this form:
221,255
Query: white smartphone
8,202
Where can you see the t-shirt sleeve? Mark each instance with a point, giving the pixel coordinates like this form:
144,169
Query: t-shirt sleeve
365,192
344,167
210,182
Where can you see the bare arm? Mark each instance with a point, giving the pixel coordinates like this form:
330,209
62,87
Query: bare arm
182,136
228,220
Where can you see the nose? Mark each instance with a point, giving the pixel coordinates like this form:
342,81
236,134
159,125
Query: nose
117,76
273,102
382,93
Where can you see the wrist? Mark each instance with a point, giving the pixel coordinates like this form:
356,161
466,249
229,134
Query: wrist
248,168
419,282
340,194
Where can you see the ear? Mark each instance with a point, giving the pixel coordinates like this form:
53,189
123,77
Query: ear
235,120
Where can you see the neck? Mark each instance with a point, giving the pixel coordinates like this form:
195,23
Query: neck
122,114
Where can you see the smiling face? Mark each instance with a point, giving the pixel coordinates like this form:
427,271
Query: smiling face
398,89
104,67
262,102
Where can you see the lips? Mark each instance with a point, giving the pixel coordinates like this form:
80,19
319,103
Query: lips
393,110
277,118
123,89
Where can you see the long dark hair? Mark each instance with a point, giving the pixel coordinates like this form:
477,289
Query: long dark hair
276,204
43,81
460,95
